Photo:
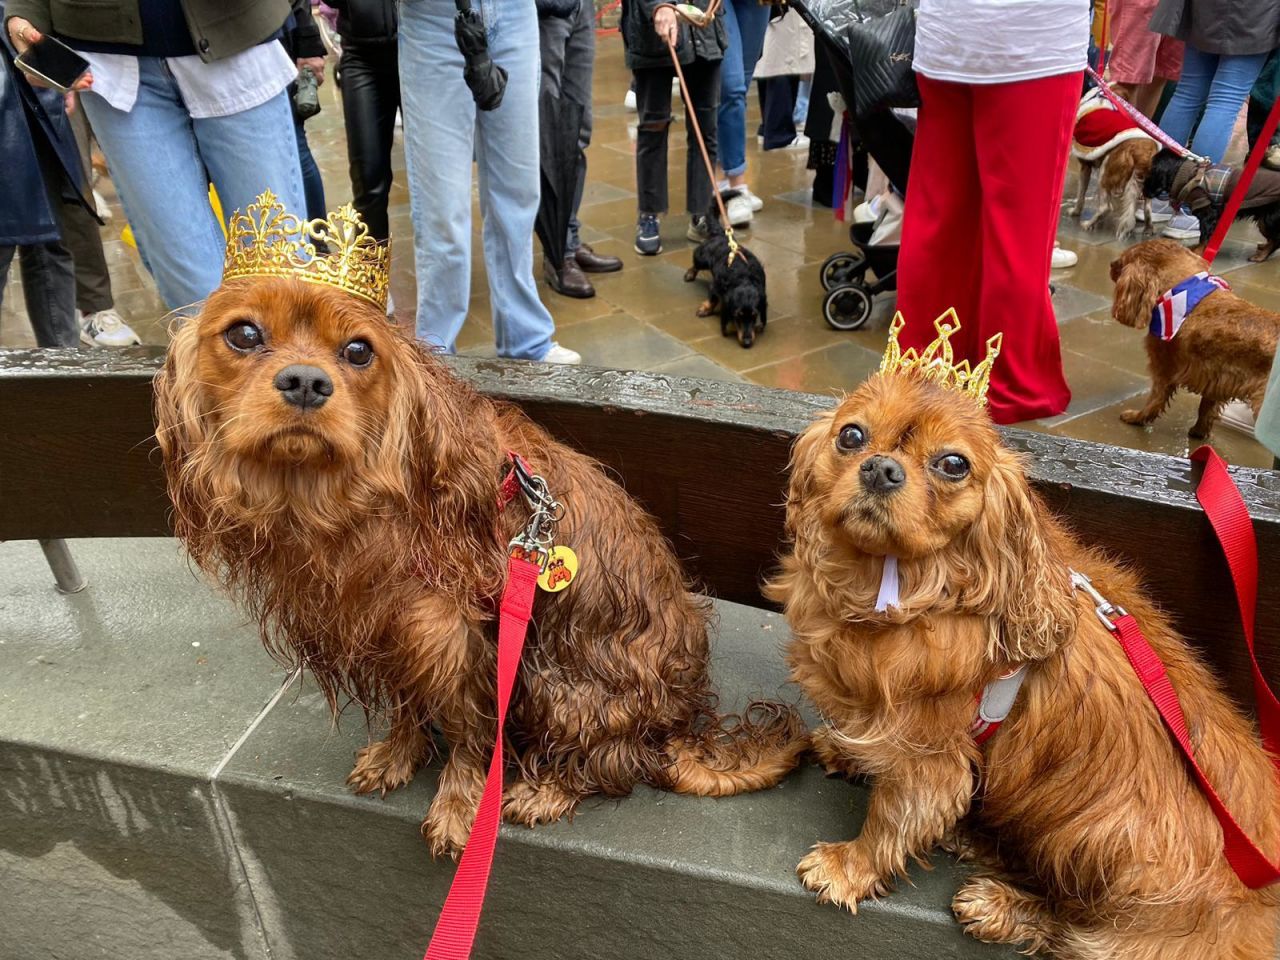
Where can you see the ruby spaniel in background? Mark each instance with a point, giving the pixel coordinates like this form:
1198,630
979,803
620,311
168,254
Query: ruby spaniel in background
343,485
1222,348
1088,838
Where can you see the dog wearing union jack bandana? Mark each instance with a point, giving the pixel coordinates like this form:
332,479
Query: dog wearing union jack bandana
1201,336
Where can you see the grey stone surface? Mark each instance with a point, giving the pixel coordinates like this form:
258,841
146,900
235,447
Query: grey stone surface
155,802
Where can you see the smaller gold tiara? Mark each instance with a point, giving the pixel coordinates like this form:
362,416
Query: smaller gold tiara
267,241
936,363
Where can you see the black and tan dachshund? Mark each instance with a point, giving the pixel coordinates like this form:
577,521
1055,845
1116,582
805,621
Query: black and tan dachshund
737,284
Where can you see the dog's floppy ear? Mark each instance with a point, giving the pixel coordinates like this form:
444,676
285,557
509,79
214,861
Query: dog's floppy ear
181,421
804,459
1137,287
1015,572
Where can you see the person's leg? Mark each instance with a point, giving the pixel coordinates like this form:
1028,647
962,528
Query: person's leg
745,22
265,134
370,96
159,175
703,80
1180,115
939,265
507,157
1022,132
553,44
1227,93
439,137
312,184
653,109
890,143
83,237
576,77
779,105
49,285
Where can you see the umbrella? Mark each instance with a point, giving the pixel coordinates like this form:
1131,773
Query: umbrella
559,124
487,80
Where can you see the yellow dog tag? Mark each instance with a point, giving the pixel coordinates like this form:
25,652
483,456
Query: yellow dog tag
560,571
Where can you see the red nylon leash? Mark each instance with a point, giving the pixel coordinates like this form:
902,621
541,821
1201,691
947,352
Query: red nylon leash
1242,187
460,917
1229,517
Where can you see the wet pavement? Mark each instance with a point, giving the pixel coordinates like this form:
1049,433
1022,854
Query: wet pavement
643,318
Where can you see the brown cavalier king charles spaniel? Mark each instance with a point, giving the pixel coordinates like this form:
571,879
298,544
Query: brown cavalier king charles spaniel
343,485
1090,837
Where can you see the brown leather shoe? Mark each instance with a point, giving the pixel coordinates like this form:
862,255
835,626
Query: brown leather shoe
593,262
569,280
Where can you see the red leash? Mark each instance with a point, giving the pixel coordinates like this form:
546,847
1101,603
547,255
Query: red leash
456,929
1242,187
1229,517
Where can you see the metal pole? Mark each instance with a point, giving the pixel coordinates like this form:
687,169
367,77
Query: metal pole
63,565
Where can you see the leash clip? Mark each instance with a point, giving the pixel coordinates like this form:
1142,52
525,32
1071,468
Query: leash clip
1103,609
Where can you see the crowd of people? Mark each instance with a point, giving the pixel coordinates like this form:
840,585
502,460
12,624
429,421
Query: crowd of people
185,95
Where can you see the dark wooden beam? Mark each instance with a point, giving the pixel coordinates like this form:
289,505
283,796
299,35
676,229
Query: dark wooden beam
77,459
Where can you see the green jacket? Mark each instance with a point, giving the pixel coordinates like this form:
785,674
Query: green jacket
219,28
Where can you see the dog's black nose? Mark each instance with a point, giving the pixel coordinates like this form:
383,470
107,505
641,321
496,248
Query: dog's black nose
882,474
304,386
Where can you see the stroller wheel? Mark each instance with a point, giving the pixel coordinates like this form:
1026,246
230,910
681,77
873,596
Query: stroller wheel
842,268
847,307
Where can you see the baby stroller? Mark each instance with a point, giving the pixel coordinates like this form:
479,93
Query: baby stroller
844,276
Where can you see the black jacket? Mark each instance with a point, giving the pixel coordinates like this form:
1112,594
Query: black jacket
366,21
646,49
301,37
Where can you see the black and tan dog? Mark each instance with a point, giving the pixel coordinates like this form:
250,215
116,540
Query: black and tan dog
737,292
1204,192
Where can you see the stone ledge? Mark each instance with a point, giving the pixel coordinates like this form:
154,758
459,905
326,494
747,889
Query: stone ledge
117,839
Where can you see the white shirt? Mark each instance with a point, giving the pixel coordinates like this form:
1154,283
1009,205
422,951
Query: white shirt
217,89
1001,41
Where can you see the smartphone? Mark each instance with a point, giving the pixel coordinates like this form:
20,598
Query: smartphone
53,63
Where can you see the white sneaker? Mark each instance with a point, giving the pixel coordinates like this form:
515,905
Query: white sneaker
739,210
559,354
629,101
868,211
1237,415
100,202
106,329
1182,227
391,305
1161,211
1062,259
801,142
756,203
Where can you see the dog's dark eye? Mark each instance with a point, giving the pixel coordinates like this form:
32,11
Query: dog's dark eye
244,336
952,466
358,353
851,437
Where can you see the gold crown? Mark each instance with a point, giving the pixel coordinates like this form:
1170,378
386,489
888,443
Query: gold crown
935,363
266,241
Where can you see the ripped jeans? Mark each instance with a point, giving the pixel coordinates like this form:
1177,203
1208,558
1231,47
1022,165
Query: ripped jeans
653,106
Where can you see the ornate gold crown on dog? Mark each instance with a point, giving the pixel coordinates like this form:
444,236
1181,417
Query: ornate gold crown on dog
267,241
936,363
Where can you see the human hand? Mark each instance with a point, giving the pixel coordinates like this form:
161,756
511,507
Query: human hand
22,34
664,22
315,65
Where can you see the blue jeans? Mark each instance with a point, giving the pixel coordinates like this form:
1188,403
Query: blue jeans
1217,84
746,22
442,131
162,161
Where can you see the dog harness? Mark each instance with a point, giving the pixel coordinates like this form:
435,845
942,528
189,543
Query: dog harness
1172,307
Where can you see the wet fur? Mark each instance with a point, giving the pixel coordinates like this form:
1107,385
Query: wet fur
737,291
1090,840
1222,351
365,538
1159,182
1124,168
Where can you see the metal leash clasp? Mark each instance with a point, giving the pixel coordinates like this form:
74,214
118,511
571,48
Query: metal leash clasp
539,535
1103,609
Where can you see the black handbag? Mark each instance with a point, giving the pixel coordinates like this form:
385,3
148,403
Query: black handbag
881,50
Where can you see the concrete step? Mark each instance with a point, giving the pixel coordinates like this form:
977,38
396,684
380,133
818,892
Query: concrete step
161,796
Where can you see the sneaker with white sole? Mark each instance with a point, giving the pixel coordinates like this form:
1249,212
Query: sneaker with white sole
699,229
756,203
106,329
559,354
738,207
391,305
1183,227
100,205
801,142
1063,259
1237,415
1161,211
629,101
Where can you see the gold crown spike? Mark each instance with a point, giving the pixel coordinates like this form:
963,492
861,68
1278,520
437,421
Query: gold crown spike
936,362
267,241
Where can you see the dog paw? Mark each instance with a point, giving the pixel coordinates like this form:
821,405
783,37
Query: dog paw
840,873
706,309
824,744
691,275
447,827
532,803
1134,417
992,911
379,768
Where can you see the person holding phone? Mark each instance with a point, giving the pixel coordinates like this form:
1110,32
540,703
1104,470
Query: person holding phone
180,92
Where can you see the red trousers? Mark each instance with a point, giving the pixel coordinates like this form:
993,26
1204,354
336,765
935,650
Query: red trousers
983,197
